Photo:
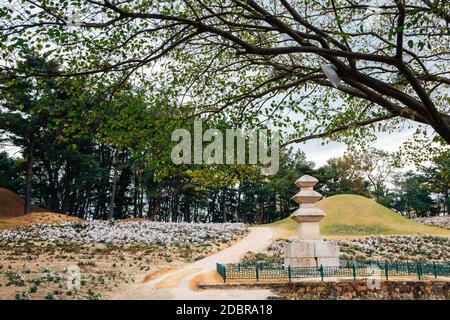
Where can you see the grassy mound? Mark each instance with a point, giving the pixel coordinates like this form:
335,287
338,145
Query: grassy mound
351,215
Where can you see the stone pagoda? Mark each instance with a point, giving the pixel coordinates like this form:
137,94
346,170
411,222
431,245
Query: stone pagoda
310,250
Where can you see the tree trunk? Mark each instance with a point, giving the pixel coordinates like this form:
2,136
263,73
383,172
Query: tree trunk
447,200
187,209
135,195
53,201
261,214
174,206
141,204
29,176
223,206
114,185
66,188
238,211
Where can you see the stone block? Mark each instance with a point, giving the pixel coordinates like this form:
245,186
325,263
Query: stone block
307,195
300,249
326,249
328,261
300,262
311,253
309,231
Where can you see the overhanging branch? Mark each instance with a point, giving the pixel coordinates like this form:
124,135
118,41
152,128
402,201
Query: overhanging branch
337,130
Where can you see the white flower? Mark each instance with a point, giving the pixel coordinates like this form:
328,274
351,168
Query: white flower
141,232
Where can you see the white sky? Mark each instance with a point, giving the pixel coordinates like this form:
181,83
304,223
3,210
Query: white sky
319,154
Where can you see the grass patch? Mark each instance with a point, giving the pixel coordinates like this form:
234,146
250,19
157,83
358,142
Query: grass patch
357,229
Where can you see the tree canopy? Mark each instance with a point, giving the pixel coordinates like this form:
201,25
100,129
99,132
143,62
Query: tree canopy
91,91
256,61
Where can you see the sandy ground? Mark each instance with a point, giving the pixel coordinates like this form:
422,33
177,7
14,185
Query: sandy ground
39,270
178,285
36,218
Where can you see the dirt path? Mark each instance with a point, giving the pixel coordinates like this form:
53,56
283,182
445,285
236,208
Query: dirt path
175,285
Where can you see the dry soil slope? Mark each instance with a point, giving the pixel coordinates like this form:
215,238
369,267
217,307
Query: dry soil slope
11,204
11,212
352,215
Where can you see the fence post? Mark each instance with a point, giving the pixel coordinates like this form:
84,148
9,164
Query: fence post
257,273
434,269
419,270
354,271
289,273
386,270
321,272
224,274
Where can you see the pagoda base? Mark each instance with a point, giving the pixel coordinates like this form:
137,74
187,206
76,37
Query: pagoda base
311,254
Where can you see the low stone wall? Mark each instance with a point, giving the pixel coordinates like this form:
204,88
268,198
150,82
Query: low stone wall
387,290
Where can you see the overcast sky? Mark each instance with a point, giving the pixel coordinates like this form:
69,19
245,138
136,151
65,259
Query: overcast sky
319,154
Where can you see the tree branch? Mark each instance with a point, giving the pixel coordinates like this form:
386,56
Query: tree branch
337,130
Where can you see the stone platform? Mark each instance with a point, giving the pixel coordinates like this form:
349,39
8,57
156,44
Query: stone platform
311,253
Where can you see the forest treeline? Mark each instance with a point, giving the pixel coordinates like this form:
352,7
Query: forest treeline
79,182
102,153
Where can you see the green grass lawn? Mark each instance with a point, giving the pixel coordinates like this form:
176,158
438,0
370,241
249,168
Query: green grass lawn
351,215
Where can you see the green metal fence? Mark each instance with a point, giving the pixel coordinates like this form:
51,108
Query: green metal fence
346,269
